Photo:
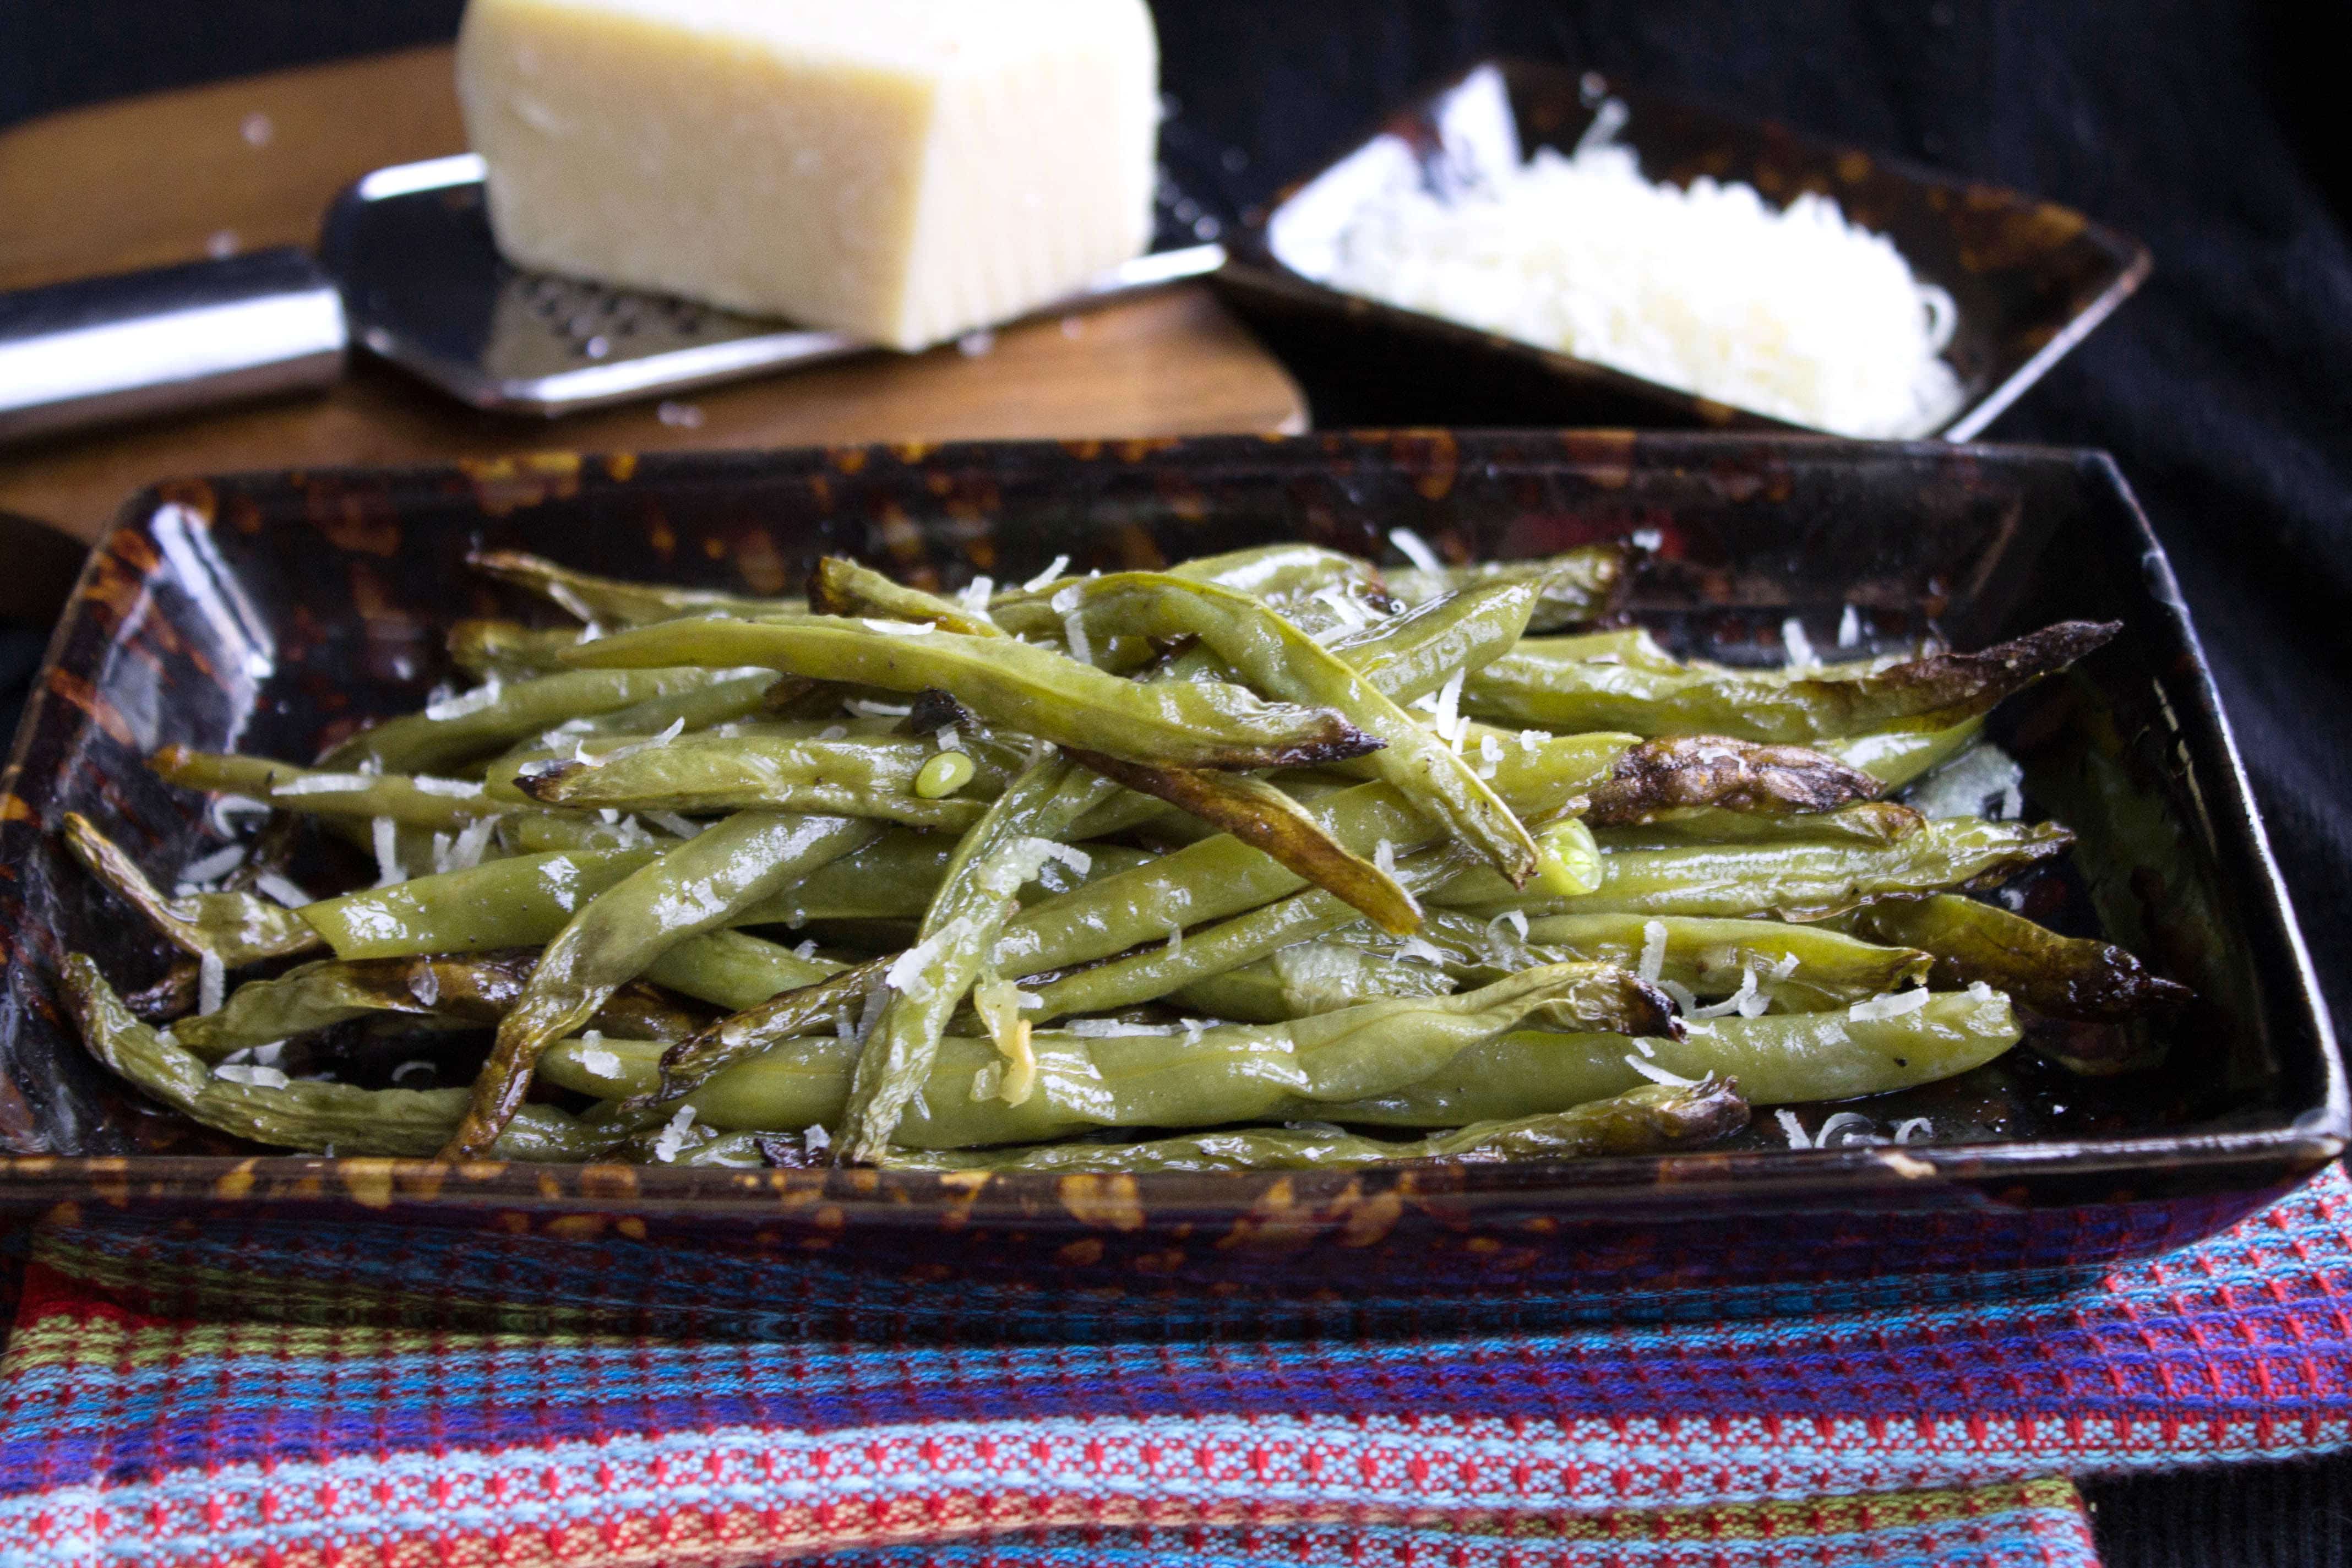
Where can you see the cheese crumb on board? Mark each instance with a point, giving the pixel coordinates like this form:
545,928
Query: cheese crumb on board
901,170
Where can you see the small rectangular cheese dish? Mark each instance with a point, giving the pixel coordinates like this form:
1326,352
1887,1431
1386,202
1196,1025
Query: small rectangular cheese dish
904,170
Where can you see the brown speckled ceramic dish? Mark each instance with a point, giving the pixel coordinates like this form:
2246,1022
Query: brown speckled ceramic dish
2031,279
271,612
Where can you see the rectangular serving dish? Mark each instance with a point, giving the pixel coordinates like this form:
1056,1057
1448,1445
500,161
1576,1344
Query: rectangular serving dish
267,612
2031,279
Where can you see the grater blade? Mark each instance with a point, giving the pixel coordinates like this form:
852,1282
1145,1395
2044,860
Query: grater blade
424,287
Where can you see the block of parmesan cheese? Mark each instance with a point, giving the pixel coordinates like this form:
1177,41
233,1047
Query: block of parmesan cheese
905,170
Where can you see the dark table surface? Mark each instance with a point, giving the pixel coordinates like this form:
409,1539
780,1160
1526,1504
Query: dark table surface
2224,389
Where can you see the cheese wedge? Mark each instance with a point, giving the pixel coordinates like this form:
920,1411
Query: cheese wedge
904,170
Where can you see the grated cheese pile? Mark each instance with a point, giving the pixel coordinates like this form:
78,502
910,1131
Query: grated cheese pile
1794,313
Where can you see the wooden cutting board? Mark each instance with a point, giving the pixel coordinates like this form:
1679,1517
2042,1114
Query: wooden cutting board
250,164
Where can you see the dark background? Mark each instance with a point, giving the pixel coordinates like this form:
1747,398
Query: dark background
2211,129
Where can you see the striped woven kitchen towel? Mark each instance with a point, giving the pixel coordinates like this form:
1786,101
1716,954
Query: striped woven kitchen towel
1926,1435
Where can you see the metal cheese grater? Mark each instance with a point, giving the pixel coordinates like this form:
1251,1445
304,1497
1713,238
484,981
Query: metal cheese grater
407,269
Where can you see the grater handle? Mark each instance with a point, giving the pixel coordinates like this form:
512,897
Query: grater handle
100,350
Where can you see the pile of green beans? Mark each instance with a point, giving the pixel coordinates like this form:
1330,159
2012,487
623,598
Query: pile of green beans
1264,860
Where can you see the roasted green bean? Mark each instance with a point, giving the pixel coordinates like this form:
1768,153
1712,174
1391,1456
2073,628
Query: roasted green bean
1577,587
832,1001
434,804
509,649
1191,958
1190,1076
1871,822
1684,773
521,901
493,717
444,992
1652,1119
1897,758
845,588
1794,881
1279,575
1618,683
228,929
1020,832
1781,1058
1797,968
2064,977
1220,877
729,699
1256,812
325,1118
1410,655
870,777
696,888
610,601
1185,723
1276,657
1310,977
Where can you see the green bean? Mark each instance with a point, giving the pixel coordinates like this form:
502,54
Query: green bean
1353,962
1798,968
1179,1078
845,588
1220,877
2062,977
527,902
1681,772
1238,1073
609,600
1559,685
1411,655
1783,1058
493,717
736,970
1256,812
1405,658
898,875
832,1001
1273,573
540,831
1794,881
870,777
1897,757
1310,977
895,876
1199,883
518,902
1276,657
443,806
1871,822
302,1114
1212,949
445,992
233,929
1035,690
727,701
509,649
698,887
1020,832
1655,1118
1577,587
